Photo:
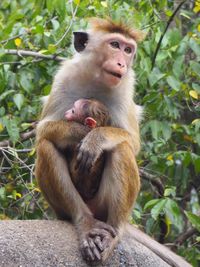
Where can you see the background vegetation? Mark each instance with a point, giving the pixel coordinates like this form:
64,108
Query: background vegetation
168,73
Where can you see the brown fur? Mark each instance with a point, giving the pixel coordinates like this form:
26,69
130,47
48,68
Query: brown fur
87,184
99,220
110,26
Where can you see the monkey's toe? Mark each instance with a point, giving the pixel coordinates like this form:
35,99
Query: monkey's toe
90,250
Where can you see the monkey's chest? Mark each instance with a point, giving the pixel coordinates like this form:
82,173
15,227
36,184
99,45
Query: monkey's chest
87,184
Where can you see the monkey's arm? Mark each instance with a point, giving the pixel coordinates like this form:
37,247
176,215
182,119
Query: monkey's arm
61,133
99,140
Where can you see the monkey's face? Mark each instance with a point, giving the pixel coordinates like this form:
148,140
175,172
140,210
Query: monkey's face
77,112
118,57
112,55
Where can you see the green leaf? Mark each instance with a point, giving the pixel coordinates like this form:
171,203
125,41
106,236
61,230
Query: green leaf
174,37
197,138
158,208
61,8
194,219
50,5
197,165
2,193
5,94
155,128
12,128
166,130
151,203
175,84
173,212
51,48
196,87
178,66
170,191
19,100
195,67
155,76
55,24
25,82
194,46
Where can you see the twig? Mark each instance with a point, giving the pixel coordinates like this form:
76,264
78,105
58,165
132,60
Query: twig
154,10
70,25
12,38
21,162
23,136
27,53
150,25
153,179
166,28
184,236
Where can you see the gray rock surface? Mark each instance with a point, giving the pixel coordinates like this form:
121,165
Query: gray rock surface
54,243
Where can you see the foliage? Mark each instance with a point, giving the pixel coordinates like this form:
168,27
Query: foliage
167,86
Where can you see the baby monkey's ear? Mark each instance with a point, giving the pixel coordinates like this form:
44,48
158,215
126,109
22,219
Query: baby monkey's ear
90,122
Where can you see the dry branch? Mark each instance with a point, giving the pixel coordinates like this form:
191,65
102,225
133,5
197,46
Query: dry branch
153,180
26,53
23,137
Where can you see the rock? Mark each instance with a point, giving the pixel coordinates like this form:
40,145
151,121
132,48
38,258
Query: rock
41,243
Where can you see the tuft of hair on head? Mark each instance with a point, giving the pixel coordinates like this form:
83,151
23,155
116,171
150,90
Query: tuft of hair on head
110,26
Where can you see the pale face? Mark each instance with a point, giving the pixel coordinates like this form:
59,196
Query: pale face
76,113
118,56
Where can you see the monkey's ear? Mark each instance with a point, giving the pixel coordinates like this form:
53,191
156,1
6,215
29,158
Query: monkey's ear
90,122
80,40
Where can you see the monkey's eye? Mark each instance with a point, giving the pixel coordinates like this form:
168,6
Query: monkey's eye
128,50
73,111
115,44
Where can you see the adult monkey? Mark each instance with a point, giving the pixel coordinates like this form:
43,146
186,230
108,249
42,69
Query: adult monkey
101,70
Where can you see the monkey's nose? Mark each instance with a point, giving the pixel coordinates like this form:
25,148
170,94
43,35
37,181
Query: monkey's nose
121,65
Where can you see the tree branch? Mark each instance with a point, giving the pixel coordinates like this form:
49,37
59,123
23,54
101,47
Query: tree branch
162,36
23,137
153,180
184,236
22,53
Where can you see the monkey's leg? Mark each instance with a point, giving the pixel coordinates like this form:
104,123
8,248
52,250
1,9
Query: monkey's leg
118,190
55,182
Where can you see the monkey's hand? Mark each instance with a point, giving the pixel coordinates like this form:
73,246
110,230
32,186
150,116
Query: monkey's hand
89,153
96,240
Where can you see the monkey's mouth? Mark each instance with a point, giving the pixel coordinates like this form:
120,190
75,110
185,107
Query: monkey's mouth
115,74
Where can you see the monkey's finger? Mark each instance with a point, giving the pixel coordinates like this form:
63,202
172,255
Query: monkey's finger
82,158
85,164
80,161
108,228
111,230
86,251
88,163
98,232
94,249
89,255
106,242
97,241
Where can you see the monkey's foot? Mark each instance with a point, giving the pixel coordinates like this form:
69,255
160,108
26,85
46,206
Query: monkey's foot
98,243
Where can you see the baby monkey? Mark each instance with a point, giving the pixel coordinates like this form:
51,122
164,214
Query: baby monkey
92,114
89,112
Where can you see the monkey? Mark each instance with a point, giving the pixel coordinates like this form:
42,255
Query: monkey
90,113
101,68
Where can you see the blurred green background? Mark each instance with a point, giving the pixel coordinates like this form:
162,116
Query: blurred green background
168,75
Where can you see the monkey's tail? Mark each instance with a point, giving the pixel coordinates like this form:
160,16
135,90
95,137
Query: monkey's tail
163,252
